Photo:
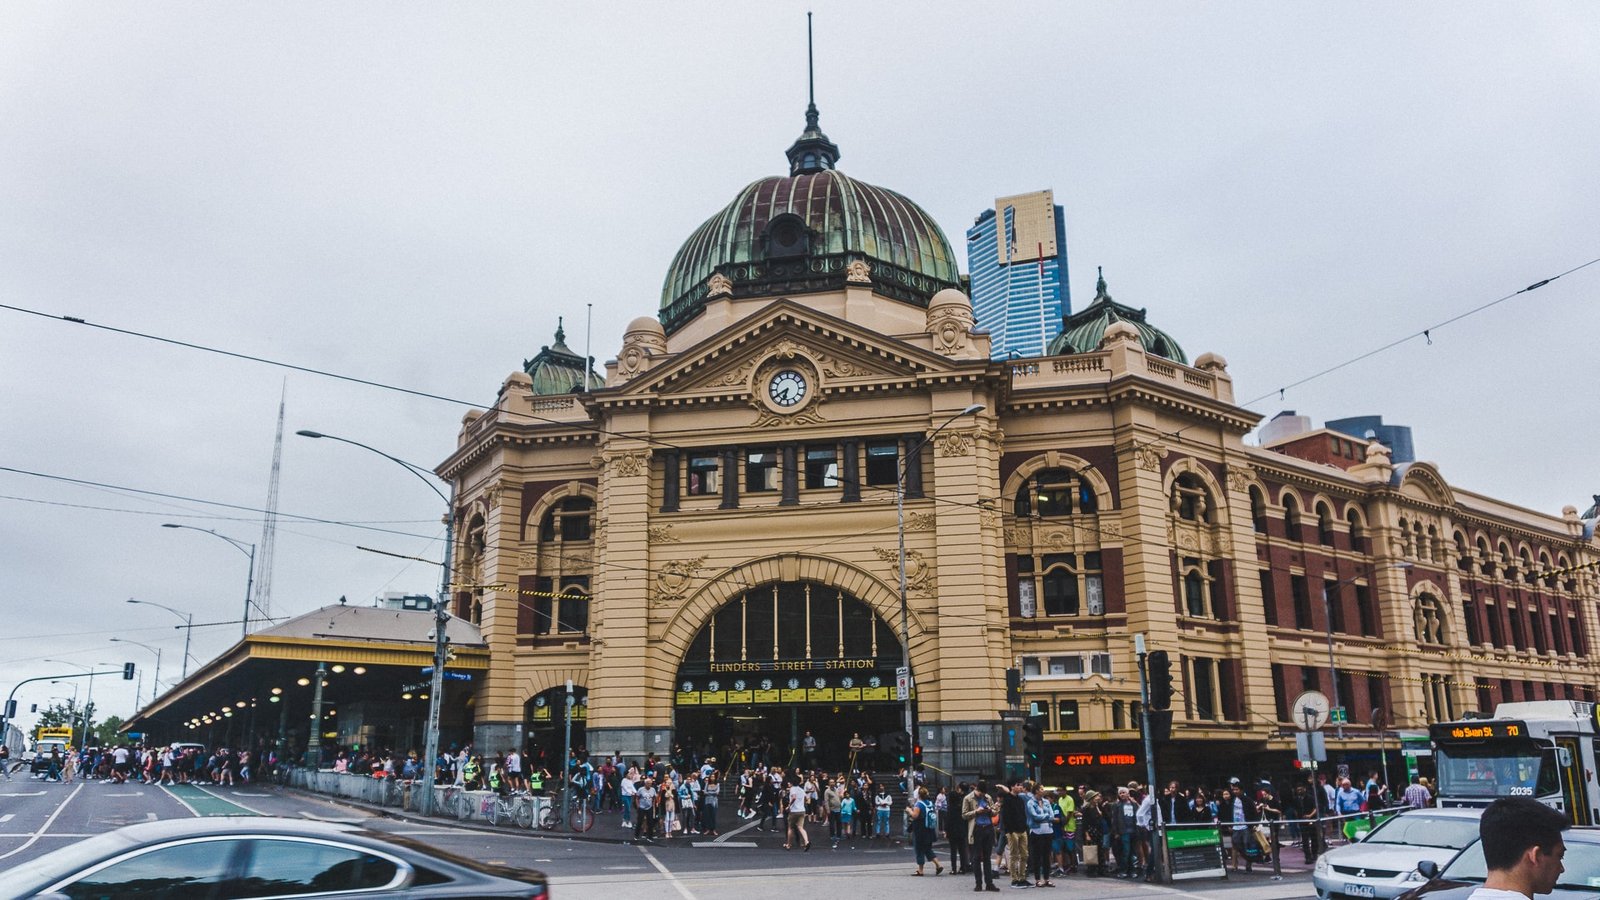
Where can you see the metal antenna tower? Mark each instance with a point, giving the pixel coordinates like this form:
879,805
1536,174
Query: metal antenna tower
261,603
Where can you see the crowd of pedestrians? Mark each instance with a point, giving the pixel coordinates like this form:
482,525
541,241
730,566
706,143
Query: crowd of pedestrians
170,764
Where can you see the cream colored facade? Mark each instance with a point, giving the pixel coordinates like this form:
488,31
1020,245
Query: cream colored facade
1170,505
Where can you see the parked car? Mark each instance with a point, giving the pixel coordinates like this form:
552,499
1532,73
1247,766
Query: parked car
1383,865
1465,873
228,857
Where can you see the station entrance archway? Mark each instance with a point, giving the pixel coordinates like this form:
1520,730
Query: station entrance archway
782,659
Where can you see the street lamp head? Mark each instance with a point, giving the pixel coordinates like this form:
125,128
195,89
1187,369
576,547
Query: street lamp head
166,525
1403,565
306,432
973,410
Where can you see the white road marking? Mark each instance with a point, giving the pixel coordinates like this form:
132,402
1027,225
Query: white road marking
227,800
192,811
683,891
34,794
722,838
150,817
7,817
344,819
622,868
724,844
46,826
249,794
129,794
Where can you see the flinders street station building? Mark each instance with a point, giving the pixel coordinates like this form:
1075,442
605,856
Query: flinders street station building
704,538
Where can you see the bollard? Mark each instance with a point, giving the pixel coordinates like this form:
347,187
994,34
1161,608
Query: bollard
1277,850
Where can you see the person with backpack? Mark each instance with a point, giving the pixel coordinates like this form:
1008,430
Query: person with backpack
924,830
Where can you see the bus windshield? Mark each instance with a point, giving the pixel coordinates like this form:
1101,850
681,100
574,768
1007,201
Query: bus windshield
1496,769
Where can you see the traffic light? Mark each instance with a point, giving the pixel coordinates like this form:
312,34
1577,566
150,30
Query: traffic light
11,709
127,671
1014,687
898,743
1033,739
1158,668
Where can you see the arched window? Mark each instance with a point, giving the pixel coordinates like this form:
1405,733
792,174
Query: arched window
1352,520
1056,492
1291,517
1069,584
1200,593
571,520
1463,553
1485,558
1324,525
1428,620
1258,509
1190,499
1526,566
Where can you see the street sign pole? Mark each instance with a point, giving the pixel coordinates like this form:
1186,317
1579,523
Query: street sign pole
1159,853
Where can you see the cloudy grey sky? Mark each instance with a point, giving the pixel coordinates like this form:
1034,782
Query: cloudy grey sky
412,193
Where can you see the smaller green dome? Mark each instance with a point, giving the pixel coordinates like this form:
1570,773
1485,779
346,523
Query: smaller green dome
1081,332
557,370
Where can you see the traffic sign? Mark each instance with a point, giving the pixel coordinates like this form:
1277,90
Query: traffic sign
902,683
448,675
1339,715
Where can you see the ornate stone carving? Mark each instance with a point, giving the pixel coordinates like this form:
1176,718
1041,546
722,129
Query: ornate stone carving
662,534
1058,538
527,559
949,326
1110,528
1240,477
675,577
919,573
1019,535
766,418
836,367
1149,456
858,272
628,463
738,375
953,443
718,285
923,521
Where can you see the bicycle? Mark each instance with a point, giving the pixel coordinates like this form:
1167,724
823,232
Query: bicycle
581,820
455,802
516,807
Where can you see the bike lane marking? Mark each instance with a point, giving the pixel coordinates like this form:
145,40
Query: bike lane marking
46,826
203,803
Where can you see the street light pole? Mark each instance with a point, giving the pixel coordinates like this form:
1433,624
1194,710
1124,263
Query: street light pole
250,576
905,614
441,613
188,626
314,744
1327,617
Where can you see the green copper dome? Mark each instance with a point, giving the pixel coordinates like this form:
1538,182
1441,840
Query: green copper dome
557,370
1081,332
797,233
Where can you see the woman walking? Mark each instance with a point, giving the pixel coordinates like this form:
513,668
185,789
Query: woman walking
924,829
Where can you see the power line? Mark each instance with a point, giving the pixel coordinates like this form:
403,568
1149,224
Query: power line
153,512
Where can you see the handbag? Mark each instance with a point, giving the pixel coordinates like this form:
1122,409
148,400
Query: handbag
1091,854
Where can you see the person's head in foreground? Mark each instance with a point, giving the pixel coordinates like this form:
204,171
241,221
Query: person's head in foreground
1522,846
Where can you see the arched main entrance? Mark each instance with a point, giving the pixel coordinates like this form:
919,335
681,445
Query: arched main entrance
544,719
783,659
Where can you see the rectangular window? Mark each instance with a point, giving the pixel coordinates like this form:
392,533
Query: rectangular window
1576,628
1204,680
1280,697
761,470
542,605
1094,584
1469,618
883,463
1067,716
1302,602
1310,679
1347,696
1060,592
1517,639
1216,588
1269,597
1119,716
822,467
1485,696
705,475
1364,610
1071,666
1330,587
573,612
1100,664
1558,638
576,522
1030,666
1496,630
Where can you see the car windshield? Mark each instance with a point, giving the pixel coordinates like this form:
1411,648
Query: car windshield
1423,830
1582,864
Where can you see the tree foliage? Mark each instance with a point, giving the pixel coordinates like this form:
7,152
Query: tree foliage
66,713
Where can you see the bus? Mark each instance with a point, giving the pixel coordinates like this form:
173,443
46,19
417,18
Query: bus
1542,749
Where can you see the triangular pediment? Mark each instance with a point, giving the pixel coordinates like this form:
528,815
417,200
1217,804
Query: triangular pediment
839,352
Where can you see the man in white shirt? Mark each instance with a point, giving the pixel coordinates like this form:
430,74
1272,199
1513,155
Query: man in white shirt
1522,849
514,769
797,817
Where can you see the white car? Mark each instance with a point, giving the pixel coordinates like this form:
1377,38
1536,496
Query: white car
1383,865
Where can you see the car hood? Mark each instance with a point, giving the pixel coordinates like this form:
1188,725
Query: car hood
1394,857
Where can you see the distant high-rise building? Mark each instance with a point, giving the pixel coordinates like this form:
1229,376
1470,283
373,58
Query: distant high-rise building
1396,437
1017,260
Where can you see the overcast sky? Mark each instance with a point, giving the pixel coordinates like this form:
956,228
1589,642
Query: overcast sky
413,193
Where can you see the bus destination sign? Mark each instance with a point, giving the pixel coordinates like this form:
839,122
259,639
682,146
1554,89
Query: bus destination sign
1489,730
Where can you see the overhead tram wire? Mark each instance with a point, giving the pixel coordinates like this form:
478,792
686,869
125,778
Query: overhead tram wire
650,439
191,515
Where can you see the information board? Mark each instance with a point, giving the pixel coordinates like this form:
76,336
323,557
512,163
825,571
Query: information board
1196,852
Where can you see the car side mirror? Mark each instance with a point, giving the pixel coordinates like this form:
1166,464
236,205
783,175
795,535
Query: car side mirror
1429,869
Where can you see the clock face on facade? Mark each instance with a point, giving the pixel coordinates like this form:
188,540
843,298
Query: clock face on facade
787,388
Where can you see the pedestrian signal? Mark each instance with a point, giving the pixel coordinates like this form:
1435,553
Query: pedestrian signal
1158,668
1033,739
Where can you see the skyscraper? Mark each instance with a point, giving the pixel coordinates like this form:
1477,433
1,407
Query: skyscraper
1017,259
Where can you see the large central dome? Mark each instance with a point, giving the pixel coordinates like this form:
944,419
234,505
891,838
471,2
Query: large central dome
797,233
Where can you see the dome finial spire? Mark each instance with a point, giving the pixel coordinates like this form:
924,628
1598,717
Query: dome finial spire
1100,282
561,334
812,151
